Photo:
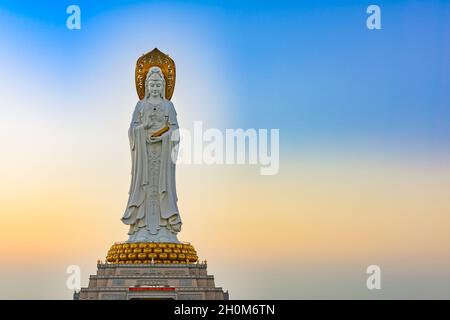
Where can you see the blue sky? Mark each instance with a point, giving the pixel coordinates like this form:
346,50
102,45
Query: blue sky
310,68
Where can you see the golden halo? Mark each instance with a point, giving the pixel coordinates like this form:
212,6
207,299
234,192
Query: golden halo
158,59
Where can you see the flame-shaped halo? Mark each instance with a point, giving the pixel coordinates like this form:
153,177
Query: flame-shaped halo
158,59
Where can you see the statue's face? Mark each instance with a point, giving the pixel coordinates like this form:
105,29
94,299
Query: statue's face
155,88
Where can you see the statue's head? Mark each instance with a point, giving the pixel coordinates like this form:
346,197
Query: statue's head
155,84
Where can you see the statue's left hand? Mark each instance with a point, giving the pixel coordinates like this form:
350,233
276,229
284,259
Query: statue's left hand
155,139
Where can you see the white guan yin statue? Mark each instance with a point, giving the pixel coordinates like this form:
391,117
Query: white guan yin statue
152,211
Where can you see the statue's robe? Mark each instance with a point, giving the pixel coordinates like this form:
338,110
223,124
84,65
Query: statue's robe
135,213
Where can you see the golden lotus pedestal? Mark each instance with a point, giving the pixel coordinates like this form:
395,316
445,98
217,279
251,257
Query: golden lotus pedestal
152,271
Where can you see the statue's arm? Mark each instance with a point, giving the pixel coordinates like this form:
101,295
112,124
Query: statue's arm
136,119
173,122
135,122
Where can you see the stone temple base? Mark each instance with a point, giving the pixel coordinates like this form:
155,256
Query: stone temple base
188,281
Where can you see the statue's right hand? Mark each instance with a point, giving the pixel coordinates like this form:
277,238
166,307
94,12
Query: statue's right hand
147,125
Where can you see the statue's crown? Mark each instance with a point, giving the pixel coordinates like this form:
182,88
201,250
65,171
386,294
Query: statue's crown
151,59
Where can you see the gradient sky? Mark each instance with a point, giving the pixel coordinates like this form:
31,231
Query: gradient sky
364,128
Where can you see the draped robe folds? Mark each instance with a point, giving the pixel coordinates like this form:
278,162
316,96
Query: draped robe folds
136,213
